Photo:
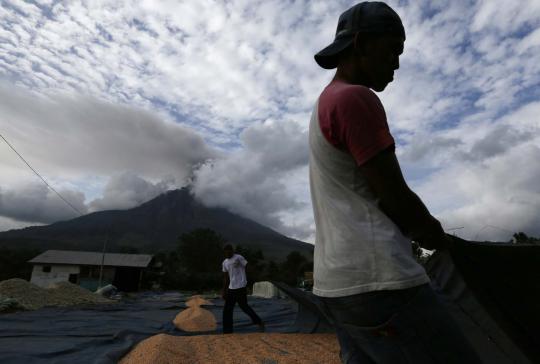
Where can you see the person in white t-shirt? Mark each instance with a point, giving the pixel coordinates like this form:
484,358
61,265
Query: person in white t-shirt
234,289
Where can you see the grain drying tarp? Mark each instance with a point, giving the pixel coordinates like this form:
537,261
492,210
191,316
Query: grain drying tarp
103,334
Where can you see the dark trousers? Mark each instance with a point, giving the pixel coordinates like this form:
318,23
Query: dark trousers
404,326
231,298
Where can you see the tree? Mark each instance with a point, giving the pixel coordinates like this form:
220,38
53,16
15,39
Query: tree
201,251
171,267
125,249
14,263
522,238
196,263
272,271
294,267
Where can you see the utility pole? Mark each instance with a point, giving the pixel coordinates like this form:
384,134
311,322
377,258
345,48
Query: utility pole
103,260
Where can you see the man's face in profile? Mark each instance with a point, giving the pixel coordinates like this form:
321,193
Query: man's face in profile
382,60
228,253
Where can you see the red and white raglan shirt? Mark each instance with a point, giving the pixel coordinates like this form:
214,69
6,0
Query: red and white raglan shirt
357,247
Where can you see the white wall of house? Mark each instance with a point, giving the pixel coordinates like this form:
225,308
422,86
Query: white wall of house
58,273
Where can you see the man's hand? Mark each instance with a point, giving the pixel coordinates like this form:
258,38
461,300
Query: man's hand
400,204
436,242
226,282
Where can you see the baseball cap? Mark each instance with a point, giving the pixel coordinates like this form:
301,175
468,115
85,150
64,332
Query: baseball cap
366,17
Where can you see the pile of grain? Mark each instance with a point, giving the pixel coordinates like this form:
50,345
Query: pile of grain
31,297
69,294
9,304
27,295
236,348
195,318
196,301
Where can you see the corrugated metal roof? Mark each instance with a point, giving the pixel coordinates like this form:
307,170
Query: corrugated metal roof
92,258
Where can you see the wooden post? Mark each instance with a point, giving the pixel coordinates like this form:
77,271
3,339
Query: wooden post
140,280
102,261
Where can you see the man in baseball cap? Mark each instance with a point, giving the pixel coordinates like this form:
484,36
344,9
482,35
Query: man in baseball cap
366,17
373,289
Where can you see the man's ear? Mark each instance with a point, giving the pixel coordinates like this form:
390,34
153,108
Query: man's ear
361,44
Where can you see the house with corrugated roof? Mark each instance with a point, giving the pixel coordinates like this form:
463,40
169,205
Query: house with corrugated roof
90,269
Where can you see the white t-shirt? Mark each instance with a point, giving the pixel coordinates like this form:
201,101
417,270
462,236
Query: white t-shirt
357,247
236,267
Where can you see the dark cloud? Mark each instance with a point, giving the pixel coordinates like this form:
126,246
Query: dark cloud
428,147
37,204
78,141
85,136
129,190
280,146
498,141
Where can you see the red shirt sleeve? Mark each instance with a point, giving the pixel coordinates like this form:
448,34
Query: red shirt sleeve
352,118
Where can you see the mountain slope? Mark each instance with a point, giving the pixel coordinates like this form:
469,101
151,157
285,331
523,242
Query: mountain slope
153,226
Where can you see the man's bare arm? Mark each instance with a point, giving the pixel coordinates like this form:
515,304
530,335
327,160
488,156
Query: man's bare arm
400,203
225,284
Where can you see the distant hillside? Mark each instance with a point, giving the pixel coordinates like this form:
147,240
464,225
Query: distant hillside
153,226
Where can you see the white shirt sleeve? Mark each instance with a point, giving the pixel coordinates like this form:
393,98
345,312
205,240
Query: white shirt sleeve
242,260
223,268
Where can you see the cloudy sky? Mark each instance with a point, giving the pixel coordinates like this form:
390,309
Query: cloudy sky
115,102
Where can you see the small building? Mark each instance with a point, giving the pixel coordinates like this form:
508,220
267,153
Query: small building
124,271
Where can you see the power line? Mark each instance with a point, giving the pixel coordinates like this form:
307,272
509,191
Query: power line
491,226
43,179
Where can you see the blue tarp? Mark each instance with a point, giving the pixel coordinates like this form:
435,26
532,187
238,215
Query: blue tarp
105,333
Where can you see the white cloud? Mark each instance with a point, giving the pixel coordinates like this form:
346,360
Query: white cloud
505,16
240,76
231,60
489,184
